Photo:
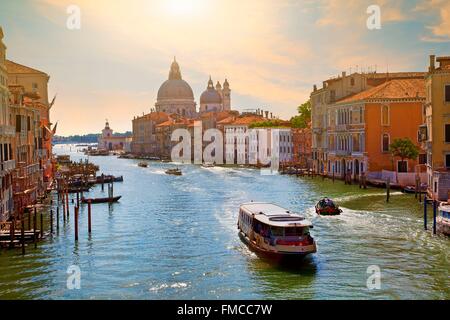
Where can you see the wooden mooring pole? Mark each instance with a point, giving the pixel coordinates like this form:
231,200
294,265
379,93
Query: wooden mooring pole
388,189
76,223
57,218
34,228
89,216
67,205
51,221
22,233
425,212
42,226
434,215
12,230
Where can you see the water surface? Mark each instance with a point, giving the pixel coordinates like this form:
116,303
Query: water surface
175,238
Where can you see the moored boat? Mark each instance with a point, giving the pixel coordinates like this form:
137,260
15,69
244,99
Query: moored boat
143,164
108,179
412,189
275,232
208,165
101,200
175,172
326,207
443,219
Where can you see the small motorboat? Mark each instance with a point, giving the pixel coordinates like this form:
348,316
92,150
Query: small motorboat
208,165
326,207
175,172
143,164
101,200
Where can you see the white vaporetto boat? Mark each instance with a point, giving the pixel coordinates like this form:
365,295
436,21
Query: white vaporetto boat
443,219
274,231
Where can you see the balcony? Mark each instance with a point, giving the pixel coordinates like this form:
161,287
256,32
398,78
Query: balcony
8,131
41,153
8,165
342,127
342,153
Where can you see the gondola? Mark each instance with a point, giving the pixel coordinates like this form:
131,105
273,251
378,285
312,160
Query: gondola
101,200
326,207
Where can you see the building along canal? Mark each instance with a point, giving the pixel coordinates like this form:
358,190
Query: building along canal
175,237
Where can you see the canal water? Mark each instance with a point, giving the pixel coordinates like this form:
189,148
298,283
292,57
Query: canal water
175,237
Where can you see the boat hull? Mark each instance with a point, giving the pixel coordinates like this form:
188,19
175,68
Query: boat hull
275,255
101,200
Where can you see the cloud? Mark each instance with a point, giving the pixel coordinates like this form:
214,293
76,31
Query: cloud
439,11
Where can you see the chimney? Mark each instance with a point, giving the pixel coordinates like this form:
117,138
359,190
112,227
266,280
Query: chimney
315,88
324,84
344,74
267,114
271,117
432,59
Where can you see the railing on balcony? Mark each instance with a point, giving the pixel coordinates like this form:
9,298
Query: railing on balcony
6,130
8,165
342,153
342,127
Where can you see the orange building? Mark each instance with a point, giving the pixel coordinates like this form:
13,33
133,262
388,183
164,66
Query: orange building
301,140
362,127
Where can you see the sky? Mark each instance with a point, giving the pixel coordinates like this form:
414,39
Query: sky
271,52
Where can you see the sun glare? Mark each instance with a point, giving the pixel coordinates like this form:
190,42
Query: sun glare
184,7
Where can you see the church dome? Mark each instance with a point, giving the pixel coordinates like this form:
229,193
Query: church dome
210,95
175,87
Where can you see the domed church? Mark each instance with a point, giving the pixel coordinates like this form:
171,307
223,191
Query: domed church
175,95
215,99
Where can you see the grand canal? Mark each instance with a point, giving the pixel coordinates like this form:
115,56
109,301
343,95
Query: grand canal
175,238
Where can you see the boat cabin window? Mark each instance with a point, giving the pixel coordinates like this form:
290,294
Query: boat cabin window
277,231
296,231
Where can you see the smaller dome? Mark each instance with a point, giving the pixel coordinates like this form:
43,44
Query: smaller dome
210,95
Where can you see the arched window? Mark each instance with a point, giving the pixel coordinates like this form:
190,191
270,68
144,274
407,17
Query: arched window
385,115
386,142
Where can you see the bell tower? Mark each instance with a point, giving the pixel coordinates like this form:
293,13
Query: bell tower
226,96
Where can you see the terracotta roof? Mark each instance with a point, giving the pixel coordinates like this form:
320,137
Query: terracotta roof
393,89
227,120
153,116
13,67
246,120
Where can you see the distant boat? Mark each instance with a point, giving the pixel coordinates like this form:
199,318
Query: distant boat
176,172
101,200
143,164
326,207
208,165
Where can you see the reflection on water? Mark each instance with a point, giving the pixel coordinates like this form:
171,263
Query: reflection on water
175,237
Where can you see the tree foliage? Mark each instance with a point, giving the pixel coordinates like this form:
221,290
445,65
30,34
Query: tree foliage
304,116
404,149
